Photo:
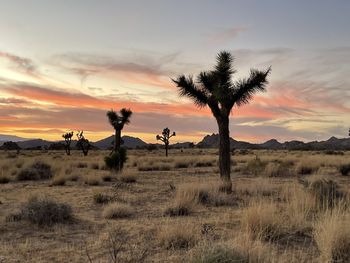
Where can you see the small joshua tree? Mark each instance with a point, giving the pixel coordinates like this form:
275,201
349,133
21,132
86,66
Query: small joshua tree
118,120
165,139
68,139
83,143
118,156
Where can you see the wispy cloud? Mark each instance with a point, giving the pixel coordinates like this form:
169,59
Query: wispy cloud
224,36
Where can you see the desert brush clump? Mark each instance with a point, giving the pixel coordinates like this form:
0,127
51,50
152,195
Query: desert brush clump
45,212
332,235
326,192
117,210
255,166
183,204
102,198
344,169
4,179
59,180
306,167
262,220
178,236
116,160
38,170
92,180
128,178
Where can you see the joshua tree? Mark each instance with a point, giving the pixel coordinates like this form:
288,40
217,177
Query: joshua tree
68,139
83,143
118,120
217,90
165,139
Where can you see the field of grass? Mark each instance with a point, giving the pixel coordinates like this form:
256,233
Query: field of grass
285,207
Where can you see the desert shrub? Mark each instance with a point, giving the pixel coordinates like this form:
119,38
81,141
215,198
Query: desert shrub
344,169
218,254
102,198
115,210
117,160
182,164
42,211
177,236
128,178
59,180
159,166
331,152
107,178
274,169
94,166
326,192
179,209
73,177
304,168
203,163
37,171
92,180
183,205
4,179
255,166
332,236
121,247
262,221
82,165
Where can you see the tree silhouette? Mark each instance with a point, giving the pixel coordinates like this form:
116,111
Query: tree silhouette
83,143
217,90
118,120
68,139
165,139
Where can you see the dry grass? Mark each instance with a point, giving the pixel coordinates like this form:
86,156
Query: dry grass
178,236
269,217
116,210
262,220
332,235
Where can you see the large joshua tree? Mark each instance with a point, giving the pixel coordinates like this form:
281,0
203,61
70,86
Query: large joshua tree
118,120
220,92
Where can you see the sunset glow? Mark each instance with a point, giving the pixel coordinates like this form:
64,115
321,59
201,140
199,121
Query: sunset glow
54,80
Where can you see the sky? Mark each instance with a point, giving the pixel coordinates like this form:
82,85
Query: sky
64,64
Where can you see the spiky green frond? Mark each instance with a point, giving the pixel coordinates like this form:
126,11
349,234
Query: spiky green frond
125,115
246,88
113,118
187,88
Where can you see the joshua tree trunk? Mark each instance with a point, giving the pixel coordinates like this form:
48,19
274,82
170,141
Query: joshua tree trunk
224,152
117,140
166,149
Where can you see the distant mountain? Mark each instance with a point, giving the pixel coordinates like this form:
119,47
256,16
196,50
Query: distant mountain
129,142
212,141
209,141
4,137
272,144
34,143
12,138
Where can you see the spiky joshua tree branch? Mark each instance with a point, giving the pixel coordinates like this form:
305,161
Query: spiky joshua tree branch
68,139
165,137
83,143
